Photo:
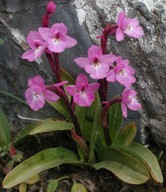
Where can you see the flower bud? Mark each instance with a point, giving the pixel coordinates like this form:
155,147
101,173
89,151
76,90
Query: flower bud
51,7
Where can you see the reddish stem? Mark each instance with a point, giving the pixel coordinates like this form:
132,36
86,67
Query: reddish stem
103,89
106,109
62,94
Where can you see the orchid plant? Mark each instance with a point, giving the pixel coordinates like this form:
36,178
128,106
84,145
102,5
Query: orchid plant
94,123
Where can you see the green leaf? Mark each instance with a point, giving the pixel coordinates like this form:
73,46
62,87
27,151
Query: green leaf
115,121
53,184
43,126
95,129
42,161
78,187
67,76
86,118
146,156
1,41
23,187
4,130
61,108
125,166
52,125
25,131
127,134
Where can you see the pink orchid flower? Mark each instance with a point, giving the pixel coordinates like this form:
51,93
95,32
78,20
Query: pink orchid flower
56,37
37,93
83,93
97,64
122,72
36,44
128,26
129,100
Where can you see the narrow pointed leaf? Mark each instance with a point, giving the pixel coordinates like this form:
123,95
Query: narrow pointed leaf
86,118
125,166
115,121
147,157
127,134
4,130
97,126
42,161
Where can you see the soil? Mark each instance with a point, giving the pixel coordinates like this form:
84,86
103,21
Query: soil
94,181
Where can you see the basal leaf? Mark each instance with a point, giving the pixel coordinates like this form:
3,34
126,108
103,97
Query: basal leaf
52,125
26,130
43,126
115,121
127,134
4,130
146,156
125,166
42,161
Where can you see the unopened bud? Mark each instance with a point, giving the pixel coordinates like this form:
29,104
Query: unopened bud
51,7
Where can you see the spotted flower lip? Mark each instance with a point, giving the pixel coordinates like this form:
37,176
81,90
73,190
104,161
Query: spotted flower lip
37,45
83,93
128,26
129,101
97,64
57,37
122,72
37,93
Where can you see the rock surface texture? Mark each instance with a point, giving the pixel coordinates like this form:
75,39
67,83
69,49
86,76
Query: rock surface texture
85,20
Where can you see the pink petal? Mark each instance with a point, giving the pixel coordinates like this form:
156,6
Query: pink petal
34,100
92,88
37,104
111,76
50,96
120,19
45,33
56,46
82,61
119,34
126,80
94,51
124,110
71,89
32,36
97,72
36,81
60,27
70,42
39,51
133,22
134,105
82,100
108,59
81,80
29,55
60,84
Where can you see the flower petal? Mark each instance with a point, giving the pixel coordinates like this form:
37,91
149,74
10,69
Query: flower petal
119,34
50,96
82,61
